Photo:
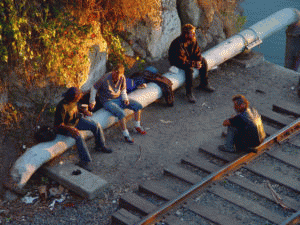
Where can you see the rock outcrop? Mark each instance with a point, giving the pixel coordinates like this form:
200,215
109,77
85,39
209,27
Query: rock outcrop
97,58
156,38
190,12
150,39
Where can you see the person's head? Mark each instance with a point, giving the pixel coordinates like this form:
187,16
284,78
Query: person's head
73,94
240,103
188,31
117,72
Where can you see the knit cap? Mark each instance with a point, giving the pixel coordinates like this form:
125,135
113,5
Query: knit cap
72,93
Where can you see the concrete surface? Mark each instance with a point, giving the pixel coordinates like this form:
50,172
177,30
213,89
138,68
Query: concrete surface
82,182
173,133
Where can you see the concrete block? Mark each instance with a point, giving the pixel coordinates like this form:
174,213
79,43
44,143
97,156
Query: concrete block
10,196
74,178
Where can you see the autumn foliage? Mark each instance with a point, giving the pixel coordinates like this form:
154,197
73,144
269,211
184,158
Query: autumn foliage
44,44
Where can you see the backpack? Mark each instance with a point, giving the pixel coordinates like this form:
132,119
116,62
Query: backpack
44,134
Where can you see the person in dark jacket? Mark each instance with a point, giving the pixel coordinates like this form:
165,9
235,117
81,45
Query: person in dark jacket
69,121
185,53
245,129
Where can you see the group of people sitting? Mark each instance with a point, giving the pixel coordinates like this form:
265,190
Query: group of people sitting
112,94
245,130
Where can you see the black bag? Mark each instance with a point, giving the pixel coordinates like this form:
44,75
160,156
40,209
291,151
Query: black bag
44,134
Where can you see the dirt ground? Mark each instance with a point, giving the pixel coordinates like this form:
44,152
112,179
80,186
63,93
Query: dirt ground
172,132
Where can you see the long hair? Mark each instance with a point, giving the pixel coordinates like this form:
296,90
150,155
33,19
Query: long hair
72,93
240,99
119,67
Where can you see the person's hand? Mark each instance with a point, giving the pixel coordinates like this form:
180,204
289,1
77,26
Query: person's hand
226,123
92,105
192,64
126,102
198,64
74,131
87,113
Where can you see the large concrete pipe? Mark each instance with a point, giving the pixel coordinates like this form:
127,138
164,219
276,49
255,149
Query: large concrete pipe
36,156
251,36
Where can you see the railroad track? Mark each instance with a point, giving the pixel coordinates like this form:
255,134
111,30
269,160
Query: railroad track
213,187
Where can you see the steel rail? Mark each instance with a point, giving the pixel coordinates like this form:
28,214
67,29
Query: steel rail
292,220
278,137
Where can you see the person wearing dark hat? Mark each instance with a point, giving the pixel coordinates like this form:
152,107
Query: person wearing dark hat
111,89
245,129
69,121
185,53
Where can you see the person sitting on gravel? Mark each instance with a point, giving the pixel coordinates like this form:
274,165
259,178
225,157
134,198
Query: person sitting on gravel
245,129
111,89
69,121
185,53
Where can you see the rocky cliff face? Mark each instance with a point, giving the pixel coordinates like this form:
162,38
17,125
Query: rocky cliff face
151,41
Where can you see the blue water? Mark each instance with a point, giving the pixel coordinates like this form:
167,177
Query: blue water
272,47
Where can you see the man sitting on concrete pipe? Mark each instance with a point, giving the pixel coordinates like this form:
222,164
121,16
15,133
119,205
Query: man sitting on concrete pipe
112,93
185,53
245,129
69,121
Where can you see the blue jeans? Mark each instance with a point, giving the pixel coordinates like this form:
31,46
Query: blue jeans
234,141
117,106
230,139
86,124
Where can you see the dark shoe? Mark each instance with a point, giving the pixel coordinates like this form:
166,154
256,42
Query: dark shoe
140,130
103,149
84,165
206,88
253,149
191,98
129,139
224,149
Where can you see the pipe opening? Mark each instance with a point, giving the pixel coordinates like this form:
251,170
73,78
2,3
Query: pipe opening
76,172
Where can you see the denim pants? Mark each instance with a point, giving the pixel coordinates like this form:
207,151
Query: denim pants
234,141
86,124
117,106
230,139
189,76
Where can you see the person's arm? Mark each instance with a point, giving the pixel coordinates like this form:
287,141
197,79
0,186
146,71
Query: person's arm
226,123
237,121
92,101
197,56
65,128
94,89
124,91
234,120
60,125
177,55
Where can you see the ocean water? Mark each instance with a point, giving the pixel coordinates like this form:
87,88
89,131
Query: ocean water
273,47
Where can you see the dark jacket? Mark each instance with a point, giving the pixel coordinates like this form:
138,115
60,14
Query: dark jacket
250,129
181,56
164,83
66,116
